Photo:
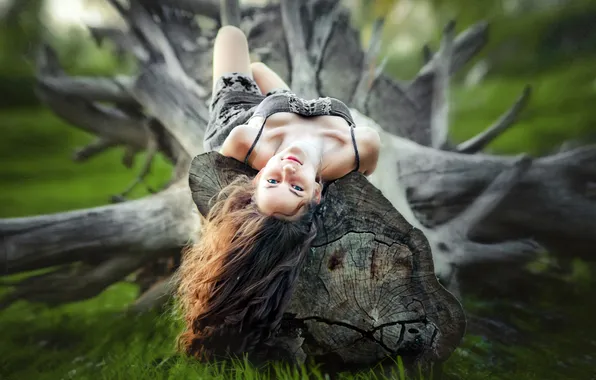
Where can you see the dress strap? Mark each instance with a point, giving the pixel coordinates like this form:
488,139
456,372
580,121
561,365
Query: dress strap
254,143
286,101
355,149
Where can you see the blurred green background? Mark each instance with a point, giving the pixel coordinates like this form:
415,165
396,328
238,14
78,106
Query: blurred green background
549,44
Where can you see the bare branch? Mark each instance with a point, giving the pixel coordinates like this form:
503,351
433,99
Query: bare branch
474,252
164,89
147,226
125,43
210,8
47,63
468,44
230,12
439,123
465,46
115,89
149,34
335,47
323,27
129,156
103,121
65,286
487,202
427,54
369,72
107,122
437,186
411,103
480,141
151,151
155,297
174,101
97,146
452,239
302,67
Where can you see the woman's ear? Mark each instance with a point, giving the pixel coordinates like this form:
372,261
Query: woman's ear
256,179
318,192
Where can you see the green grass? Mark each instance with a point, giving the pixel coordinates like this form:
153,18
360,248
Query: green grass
94,339
38,175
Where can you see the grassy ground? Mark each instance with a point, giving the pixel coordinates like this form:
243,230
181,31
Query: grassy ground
94,339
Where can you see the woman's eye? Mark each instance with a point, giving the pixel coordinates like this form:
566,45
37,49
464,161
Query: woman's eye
297,188
272,181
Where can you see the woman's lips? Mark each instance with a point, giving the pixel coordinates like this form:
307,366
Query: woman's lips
292,158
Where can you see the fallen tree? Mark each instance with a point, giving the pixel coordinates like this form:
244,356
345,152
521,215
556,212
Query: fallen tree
429,194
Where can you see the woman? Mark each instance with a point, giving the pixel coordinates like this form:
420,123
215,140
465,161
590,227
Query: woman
235,283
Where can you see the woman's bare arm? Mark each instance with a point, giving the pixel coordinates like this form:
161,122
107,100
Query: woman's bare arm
266,78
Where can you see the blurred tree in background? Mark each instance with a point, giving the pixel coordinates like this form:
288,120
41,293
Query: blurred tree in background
550,44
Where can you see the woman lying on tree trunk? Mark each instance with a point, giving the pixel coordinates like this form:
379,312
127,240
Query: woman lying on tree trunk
237,280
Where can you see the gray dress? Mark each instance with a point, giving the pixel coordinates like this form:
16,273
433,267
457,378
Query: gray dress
237,98
234,100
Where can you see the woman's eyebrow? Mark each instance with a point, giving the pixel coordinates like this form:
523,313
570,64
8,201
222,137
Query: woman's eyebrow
291,191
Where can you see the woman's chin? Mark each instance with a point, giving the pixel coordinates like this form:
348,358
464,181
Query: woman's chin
294,150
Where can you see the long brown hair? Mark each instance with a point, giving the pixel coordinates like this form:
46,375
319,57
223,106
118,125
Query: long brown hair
236,281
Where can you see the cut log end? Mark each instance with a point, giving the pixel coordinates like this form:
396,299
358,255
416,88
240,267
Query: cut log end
368,289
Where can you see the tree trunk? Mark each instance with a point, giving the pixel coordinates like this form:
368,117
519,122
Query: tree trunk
369,290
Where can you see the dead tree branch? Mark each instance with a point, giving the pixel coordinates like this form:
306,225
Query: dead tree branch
439,125
152,224
479,142
370,73
230,12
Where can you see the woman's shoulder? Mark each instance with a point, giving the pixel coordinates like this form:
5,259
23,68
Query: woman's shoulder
238,142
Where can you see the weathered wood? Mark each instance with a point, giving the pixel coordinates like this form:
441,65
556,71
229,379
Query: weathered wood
115,89
432,187
368,290
296,39
479,142
230,12
124,42
410,112
108,122
370,73
439,121
210,8
148,226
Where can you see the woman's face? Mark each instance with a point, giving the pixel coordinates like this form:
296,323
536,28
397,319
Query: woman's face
287,183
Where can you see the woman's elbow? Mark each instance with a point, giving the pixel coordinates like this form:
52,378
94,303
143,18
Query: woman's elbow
372,146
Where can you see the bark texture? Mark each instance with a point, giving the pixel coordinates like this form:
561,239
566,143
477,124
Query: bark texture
368,289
